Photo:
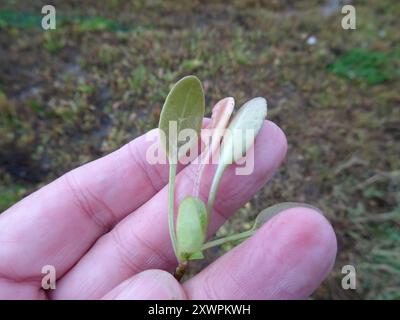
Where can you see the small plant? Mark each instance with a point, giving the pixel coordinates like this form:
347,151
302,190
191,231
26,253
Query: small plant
183,110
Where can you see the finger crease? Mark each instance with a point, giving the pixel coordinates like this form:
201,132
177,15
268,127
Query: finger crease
128,257
140,163
83,202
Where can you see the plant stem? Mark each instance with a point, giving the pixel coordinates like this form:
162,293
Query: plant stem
235,237
214,188
171,204
180,270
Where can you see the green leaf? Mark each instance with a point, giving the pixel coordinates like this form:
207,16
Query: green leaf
196,256
191,227
266,214
184,108
239,137
250,117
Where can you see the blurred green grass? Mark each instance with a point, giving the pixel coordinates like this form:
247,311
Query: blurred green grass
32,20
371,67
76,93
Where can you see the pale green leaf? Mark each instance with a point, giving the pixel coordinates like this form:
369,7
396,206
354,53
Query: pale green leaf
196,256
266,214
191,226
243,129
239,137
184,108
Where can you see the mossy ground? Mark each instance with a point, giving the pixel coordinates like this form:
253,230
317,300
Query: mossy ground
76,93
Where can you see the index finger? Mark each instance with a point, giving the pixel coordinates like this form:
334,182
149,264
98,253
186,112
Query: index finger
62,220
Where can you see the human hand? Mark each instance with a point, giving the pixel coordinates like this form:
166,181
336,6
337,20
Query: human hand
103,226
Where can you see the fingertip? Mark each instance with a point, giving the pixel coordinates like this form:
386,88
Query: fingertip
305,248
270,149
287,258
276,135
306,227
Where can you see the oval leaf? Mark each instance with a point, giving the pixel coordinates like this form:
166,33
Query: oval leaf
243,130
191,227
221,114
239,137
266,214
184,108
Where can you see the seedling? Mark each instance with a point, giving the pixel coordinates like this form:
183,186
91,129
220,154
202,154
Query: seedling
184,110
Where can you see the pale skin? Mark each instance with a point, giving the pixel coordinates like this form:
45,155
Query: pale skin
103,226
